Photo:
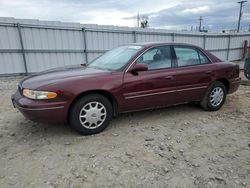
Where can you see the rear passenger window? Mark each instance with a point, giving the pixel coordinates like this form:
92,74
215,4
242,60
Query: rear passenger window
203,58
186,56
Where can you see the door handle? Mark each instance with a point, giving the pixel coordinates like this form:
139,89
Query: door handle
169,77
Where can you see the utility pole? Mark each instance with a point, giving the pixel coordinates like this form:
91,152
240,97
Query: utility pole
200,19
138,20
240,14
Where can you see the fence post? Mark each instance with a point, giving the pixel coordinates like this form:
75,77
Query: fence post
22,48
204,41
173,37
134,34
85,45
228,46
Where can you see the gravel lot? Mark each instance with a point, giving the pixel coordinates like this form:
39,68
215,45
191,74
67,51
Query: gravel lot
181,146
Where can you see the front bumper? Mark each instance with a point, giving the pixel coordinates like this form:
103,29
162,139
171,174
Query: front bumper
40,110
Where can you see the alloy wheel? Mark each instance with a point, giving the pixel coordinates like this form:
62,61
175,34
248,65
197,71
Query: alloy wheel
216,96
92,115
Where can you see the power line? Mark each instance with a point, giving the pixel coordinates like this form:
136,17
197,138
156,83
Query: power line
240,14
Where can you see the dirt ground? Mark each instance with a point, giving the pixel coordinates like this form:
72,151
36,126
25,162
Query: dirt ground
181,146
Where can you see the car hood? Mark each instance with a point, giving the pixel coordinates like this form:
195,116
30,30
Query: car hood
52,76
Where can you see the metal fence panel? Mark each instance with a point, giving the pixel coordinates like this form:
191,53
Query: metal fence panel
106,40
220,54
37,38
9,38
42,61
196,40
237,41
235,54
31,45
153,38
11,63
217,42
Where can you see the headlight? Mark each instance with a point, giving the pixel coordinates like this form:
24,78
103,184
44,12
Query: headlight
38,94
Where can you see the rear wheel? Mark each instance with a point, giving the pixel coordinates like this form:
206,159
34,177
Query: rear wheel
91,114
214,97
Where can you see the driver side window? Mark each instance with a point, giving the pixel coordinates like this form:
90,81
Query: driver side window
157,58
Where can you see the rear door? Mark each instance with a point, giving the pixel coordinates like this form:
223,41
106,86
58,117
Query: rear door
194,73
154,87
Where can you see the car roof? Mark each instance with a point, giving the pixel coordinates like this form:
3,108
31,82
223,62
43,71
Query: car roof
150,44
212,57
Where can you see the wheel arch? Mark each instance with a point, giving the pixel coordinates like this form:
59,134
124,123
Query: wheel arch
105,93
225,82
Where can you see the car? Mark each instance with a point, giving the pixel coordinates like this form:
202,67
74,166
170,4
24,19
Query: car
130,77
247,68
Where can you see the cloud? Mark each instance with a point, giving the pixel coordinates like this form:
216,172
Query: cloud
216,15
196,10
162,13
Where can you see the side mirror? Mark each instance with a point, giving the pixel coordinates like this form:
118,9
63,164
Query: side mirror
139,67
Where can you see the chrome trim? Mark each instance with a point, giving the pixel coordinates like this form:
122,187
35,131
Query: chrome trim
164,92
35,109
173,44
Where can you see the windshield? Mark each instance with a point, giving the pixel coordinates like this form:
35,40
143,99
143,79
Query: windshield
116,58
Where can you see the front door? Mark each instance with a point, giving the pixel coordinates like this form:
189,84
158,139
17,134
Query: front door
154,87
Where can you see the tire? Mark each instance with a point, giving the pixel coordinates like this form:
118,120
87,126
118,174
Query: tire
247,74
211,101
93,108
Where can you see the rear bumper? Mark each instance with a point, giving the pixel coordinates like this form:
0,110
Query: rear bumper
234,85
42,111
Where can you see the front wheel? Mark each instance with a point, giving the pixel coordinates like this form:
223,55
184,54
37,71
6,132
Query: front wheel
91,114
214,97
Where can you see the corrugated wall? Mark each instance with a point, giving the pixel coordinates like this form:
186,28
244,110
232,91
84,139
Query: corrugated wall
33,45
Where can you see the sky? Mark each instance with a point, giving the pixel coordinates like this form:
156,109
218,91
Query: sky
166,14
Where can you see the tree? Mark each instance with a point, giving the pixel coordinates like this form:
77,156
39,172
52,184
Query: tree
144,22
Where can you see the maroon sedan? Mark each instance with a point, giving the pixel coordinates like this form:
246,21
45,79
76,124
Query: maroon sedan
127,78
